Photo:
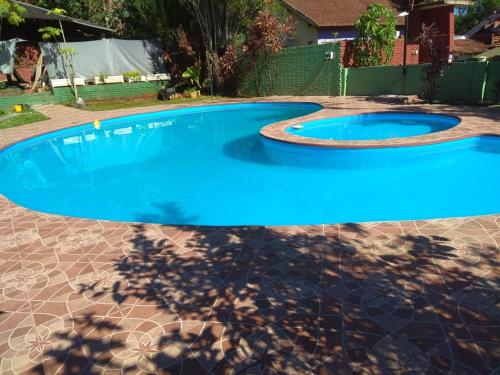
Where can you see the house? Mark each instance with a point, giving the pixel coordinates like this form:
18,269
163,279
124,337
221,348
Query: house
479,40
465,47
323,21
487,31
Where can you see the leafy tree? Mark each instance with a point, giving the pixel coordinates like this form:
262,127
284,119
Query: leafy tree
375,36
221,23
265,40
12,12
470,17
66,53
119,15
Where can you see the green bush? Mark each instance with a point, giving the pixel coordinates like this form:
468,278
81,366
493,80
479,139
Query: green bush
375,36
132,75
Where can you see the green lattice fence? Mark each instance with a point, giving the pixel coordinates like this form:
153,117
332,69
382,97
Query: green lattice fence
296,71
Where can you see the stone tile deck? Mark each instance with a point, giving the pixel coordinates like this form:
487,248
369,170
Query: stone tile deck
91,297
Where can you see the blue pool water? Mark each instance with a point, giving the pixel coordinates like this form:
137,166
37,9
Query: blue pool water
211,166
375,126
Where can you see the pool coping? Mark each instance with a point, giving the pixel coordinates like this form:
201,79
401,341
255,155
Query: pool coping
466,128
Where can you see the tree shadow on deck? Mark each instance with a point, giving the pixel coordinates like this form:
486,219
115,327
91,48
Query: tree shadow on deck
337,299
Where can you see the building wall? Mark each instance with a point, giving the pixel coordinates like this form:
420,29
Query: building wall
327,34
412,54
305,34
444,19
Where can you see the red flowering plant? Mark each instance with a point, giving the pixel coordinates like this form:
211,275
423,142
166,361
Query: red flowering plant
268,34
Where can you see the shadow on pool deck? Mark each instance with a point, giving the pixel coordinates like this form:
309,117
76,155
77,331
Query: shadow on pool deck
330,299
84,296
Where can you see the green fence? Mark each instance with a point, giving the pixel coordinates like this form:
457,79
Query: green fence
305,71
492,86
296,71
115,90
30,99
467,82
91,92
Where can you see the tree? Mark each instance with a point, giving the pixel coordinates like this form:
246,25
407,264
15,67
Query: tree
66,53
375,36
470,17
12,12
438,65
119,15
266,39
220,22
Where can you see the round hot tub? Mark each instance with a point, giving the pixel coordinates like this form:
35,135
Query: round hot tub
374,126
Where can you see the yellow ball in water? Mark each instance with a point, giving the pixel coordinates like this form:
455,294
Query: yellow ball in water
97,124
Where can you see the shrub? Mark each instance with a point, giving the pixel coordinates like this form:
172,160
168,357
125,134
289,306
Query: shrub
132,75
438,65
375,36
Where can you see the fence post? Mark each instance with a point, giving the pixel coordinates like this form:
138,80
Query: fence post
345,72
485,80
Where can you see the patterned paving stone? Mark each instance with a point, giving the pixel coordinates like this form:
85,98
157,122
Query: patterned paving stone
92,297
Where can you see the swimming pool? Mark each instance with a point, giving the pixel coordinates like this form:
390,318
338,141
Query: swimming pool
374,126
210,166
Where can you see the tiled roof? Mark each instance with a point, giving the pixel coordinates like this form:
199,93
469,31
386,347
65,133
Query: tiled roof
329,13
469,47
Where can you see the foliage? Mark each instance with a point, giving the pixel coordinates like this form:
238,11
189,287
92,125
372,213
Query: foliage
471,16
221,23
267,35
12,12
132,75
375,36
66,53
102,77
193,75
57,11
228,61
114,14
438,65
49,32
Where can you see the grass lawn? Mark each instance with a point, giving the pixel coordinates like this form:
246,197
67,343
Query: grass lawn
108,104
19,119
